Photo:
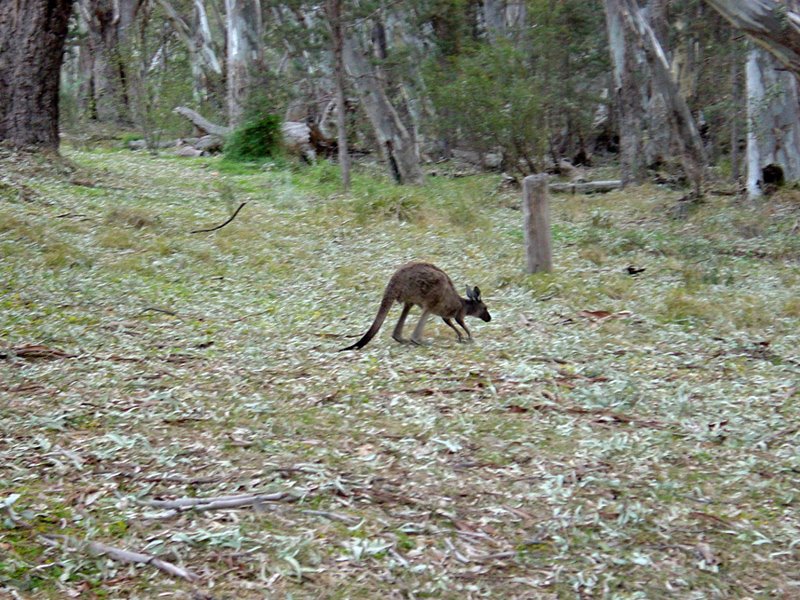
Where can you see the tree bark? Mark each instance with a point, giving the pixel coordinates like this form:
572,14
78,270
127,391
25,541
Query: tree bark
773,115
627,97
108,29
398,146
245,54
334,10
32,35
774,25
737,100
199,44
685,133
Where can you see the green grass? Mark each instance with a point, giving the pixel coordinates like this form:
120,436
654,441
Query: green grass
557,456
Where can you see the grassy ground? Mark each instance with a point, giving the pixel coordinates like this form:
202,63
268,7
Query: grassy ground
605,436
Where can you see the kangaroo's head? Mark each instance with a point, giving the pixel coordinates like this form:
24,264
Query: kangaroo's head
474,305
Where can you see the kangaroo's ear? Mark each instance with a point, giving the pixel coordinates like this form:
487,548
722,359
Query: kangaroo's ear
476,294
470,293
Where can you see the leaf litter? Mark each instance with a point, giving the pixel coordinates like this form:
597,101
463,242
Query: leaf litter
176,422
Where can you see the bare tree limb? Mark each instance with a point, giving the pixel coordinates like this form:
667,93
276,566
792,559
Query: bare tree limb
772,24
201,122
232,217
219,502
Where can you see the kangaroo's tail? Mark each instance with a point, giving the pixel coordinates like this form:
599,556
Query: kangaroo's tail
388,299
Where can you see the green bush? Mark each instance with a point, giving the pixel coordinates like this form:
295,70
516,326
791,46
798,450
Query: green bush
254,140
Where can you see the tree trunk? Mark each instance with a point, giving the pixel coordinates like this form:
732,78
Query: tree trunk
501,17
627,98
737,101
773,115
108,28
32,35
334,9
397,145
772,24
197,38
245,54
685,133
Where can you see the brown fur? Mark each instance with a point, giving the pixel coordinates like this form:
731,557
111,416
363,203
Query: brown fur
427,286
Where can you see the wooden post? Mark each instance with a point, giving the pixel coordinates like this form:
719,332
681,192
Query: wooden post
536,210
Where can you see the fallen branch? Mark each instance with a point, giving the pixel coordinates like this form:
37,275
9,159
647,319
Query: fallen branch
118,554
589,187
121,555
219,502
603,415
232,217
201,122
332,516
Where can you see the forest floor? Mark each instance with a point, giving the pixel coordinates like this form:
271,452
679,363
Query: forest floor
604,436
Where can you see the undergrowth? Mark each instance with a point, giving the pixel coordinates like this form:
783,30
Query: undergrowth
624,427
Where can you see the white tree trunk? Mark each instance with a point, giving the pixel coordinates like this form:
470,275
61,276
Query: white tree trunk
773,115
626,95
245,53
334,11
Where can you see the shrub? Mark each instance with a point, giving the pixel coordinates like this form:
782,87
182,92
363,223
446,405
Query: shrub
256,139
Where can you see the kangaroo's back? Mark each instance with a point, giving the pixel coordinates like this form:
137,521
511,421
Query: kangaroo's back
425,285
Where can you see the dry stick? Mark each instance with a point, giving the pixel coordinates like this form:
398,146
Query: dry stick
111,552
182,504
332,516
139,558
233,216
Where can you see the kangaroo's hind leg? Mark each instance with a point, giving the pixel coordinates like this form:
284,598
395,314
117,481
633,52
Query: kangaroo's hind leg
416,337
453,327
397,334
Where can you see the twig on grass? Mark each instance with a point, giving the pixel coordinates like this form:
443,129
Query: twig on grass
232,217
219,502
332,516
112,552
121,555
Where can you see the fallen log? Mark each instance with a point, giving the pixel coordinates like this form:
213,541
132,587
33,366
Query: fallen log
203,124
588,187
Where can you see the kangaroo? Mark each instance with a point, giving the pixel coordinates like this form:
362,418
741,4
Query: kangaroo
430,288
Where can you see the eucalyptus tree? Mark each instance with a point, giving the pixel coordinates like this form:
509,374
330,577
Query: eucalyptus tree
32,37
632,36
773,24
109,25
245,59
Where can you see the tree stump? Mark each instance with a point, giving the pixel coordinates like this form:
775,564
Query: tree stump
536,211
